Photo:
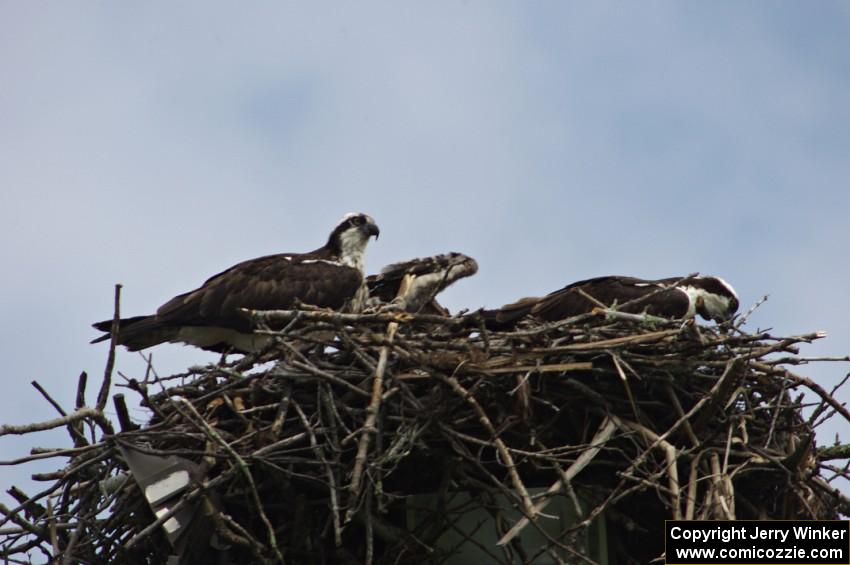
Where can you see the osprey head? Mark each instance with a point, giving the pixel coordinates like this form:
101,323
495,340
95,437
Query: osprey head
349,238
713,298
461,265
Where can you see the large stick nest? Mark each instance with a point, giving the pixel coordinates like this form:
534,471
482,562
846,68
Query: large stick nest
364,438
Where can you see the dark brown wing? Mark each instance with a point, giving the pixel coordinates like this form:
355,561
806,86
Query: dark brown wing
266,283
573,300
385,284
383,287
506,317
138,332
583,296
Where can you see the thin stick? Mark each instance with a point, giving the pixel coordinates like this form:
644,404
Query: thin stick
49,398
614,342
73,451
332,490
374,407
346,318
522,492
74,430
671,455
625,381
77,416
243,467
103,395
816,388
603,434
732,366
692,488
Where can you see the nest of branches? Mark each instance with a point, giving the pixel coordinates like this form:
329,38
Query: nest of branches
395,438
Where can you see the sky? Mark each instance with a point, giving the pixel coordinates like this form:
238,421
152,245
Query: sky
157,143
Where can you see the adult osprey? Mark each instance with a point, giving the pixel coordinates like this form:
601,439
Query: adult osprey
674,297
433,275
209,317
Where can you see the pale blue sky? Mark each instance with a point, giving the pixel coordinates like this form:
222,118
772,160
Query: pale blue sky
155,143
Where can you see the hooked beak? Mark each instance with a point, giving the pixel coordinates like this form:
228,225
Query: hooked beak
718,317
372,229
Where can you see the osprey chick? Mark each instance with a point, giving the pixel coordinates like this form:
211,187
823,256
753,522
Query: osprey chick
433,275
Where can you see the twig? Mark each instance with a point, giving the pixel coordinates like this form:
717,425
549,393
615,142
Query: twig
74,430
467,396
374,407
614,342
77,416
332,488
603,434
834,452
671,455
124,420
103,395
743,318
53,453
243,468
343,318
814,387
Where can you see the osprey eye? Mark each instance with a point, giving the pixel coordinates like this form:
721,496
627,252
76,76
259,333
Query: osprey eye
357,220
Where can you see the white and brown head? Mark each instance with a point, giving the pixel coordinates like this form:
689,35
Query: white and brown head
350,237
711,297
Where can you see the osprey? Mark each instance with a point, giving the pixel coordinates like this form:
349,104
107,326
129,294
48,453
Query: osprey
433,275
209,317
674,297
